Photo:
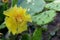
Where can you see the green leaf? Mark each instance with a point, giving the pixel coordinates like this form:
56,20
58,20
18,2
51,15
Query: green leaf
25,37
44,18
37,35
2,26
1,14
33,6
54,5
3,7
6,6
14,2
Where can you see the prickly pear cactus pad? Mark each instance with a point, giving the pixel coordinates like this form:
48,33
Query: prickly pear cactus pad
33,6
54,5
44,17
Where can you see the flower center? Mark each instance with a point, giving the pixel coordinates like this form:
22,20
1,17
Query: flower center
18,18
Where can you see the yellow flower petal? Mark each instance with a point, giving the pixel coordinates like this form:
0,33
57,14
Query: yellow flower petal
28,18
24,27
11,24
11,12
16,19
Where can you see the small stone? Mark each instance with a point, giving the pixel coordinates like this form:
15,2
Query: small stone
1,35
52,33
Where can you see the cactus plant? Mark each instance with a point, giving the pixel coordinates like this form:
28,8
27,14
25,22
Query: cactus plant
44,17
33,6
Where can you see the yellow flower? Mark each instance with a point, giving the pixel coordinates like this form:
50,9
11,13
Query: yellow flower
4,1
16,19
